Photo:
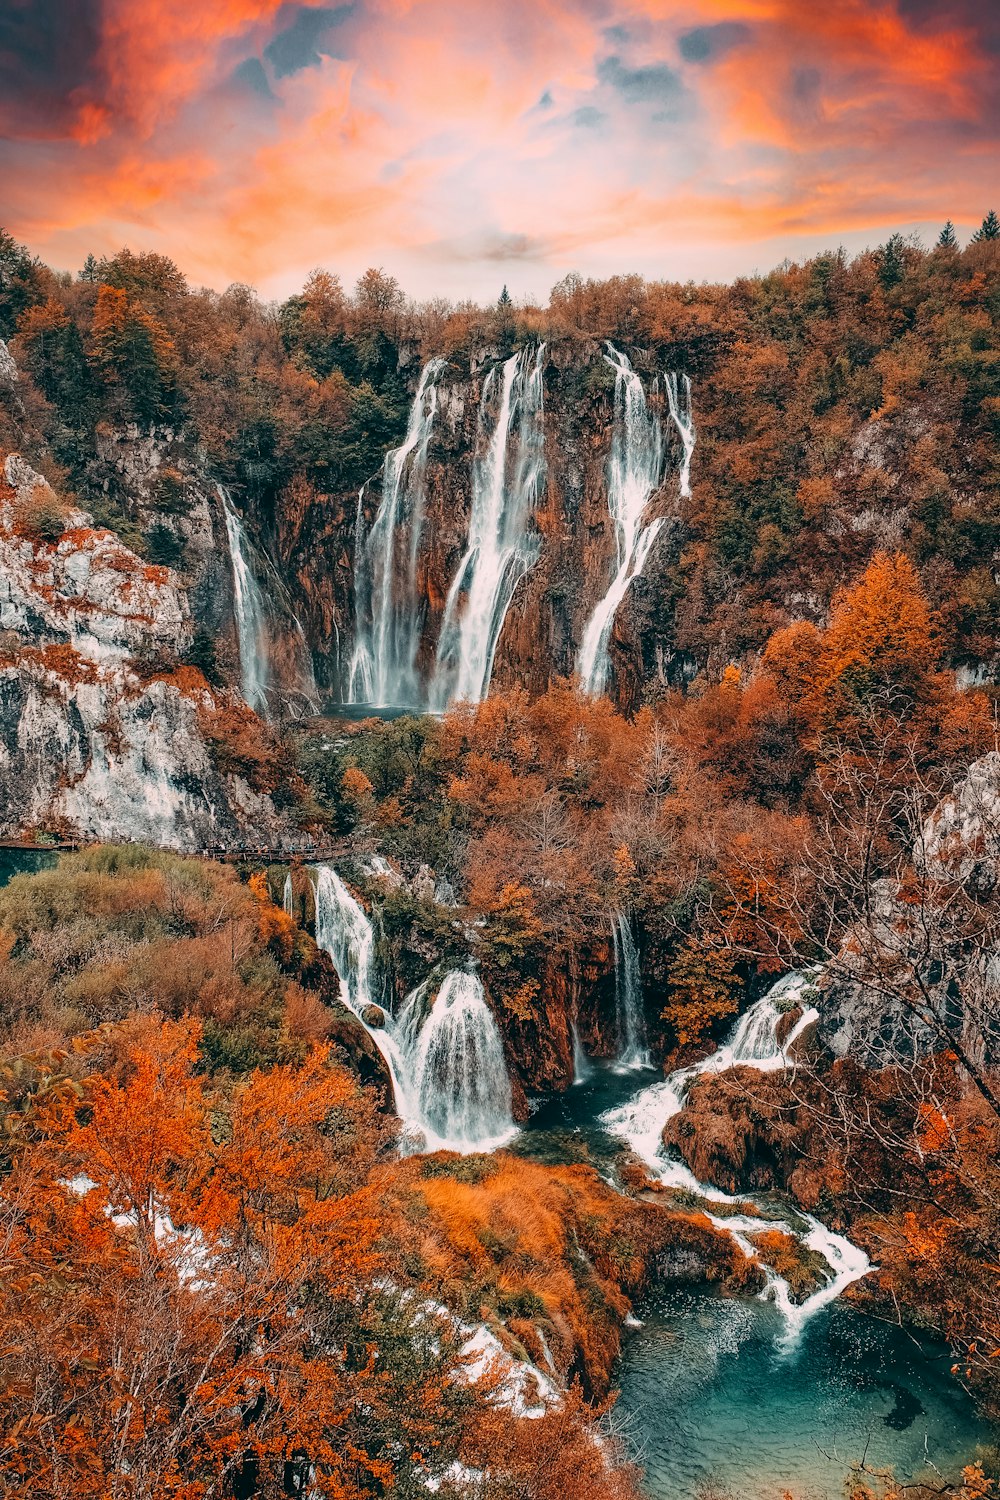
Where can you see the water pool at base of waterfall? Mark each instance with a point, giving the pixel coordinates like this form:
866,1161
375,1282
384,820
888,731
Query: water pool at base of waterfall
708,1405
708,1401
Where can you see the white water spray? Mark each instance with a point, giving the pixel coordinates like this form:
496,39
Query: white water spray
630,1022
288,897
248,602
460,1076
679,401
635,472
752,1044
388,609
508,473
449,1076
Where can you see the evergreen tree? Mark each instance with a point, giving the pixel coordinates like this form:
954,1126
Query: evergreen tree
20,283
947,239
989,229
91,270
891,259
504,300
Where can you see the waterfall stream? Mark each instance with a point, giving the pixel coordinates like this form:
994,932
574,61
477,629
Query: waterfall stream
679,402
635,472
449,1076
388,609
508,473
753,1044
630,1022
248,602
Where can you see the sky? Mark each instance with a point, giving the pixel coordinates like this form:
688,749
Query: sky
467,144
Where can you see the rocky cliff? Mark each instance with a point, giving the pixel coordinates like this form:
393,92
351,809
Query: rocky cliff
106,730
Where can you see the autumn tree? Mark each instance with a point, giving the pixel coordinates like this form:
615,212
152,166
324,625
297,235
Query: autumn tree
134,356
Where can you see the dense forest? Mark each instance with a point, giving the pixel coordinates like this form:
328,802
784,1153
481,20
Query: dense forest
223,1276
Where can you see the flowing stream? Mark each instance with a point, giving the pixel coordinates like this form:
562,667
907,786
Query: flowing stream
754,1397
388,607
507,478
449,1076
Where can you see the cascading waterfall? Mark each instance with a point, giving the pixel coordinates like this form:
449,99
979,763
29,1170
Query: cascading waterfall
630,1022
508,473
288,897
388,610
679,402
461,1084
449,1076
753,1044
635,472
250,613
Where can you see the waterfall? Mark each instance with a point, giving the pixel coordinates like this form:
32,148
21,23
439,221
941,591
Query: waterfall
635,472
582,1066
287,897
507,477
449,1078
389,612
679,401
753,1043
461,1084
250,614
630,1023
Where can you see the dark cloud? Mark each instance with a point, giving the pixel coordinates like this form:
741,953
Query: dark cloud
655,84
48,64
297,44
587,116
706,43
252,76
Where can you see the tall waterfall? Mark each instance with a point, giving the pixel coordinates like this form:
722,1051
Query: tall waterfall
461,1083
449,1077
507,478
635,472
250,614
630,1022
388,610
679,402
753,1043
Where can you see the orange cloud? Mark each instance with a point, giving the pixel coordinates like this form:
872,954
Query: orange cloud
461,146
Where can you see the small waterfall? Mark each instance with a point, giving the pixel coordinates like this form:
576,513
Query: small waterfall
461,1083
449,1077
582,1066
388,610
288,897
679,401
507,478
752,1044
630,1023
635,472
250,613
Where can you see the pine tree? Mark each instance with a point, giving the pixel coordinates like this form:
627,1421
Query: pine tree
989,229
504,300
891,258
947,239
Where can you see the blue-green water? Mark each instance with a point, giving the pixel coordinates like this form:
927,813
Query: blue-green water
25,862
709,1405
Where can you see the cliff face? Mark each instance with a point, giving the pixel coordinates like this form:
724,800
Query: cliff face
104,733
570,532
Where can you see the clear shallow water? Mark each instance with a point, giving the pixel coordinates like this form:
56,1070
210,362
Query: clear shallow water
710,1404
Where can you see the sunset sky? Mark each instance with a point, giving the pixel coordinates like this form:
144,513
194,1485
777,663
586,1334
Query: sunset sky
462,145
